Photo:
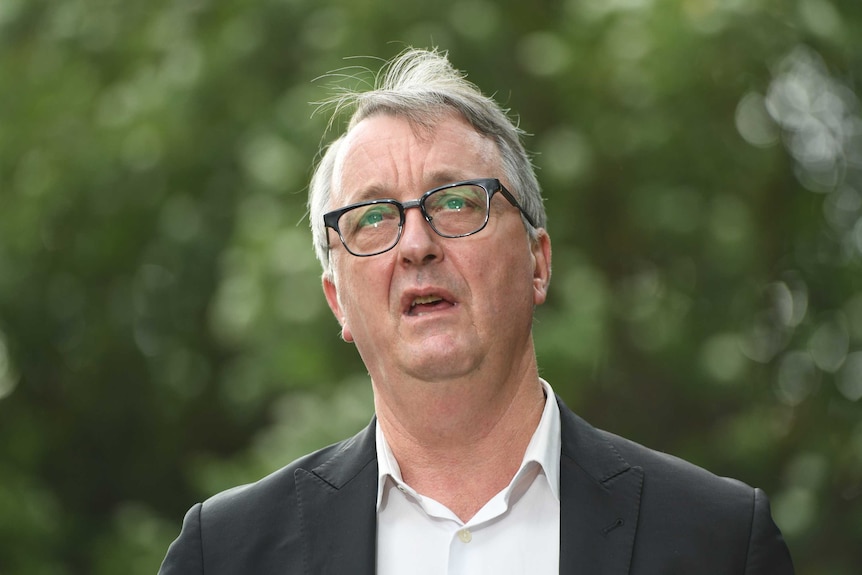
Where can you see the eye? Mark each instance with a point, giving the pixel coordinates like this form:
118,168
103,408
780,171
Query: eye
456,199
453,203
371,217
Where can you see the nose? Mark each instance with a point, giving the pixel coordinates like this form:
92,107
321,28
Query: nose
419,244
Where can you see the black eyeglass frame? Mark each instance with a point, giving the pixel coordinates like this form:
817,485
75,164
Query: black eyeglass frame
490,185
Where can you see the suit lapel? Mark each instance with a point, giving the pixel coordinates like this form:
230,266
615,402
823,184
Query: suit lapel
599,493
337,509
599,501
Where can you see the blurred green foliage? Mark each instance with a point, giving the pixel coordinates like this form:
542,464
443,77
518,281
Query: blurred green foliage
162,331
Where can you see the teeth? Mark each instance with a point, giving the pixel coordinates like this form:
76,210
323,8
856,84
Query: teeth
425,299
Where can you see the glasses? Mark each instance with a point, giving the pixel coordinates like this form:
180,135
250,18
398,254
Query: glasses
453,211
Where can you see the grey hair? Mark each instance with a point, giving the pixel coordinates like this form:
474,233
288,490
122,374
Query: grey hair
421,86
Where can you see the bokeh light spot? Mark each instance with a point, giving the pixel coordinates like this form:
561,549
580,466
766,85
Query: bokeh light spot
8,377
849,380
829,344
721,358
794,510
797,377
543,54
476,19
754,123
270,161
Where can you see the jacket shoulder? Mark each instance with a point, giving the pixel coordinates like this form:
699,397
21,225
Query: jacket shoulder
256,528
263,496
711,519
688,519
602,455
675,473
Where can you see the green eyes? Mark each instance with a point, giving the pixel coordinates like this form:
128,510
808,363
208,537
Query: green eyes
437,205
453,203
376,215
453,211
456,199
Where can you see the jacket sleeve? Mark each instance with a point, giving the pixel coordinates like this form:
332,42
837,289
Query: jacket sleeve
767,551
185,555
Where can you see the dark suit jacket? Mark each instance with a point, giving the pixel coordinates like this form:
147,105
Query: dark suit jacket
624,509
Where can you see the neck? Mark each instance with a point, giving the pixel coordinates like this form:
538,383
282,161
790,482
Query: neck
458,444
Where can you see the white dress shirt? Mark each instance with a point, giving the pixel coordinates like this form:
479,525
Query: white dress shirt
516,532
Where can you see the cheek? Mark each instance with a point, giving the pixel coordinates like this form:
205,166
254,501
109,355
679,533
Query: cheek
364,290
506,286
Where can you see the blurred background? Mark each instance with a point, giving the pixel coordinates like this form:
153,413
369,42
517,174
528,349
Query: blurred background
163,334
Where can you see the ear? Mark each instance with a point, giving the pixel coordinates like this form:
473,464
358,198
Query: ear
541,248
331,293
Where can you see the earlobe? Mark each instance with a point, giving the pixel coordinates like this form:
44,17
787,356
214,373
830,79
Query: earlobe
345,332
331,293
541,247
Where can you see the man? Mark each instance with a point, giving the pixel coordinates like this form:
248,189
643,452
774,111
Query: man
429,224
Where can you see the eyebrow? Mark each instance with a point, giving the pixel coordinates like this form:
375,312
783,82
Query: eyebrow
443,178
378,192
373,192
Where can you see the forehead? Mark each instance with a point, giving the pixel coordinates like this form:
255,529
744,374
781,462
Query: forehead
386,155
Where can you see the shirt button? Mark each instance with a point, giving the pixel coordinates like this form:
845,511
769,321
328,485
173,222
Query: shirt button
465,535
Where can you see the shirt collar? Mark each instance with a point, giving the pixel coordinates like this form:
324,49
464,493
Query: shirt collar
543,449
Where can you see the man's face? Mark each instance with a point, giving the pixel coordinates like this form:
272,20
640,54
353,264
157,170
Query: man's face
433,308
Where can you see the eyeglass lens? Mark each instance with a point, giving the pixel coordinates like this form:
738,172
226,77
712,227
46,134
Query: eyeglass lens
454,211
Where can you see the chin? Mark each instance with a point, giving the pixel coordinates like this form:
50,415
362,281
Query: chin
441,368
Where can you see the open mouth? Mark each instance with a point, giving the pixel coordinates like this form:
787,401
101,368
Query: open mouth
428,303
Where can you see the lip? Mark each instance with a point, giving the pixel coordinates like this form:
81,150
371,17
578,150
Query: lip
411,295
